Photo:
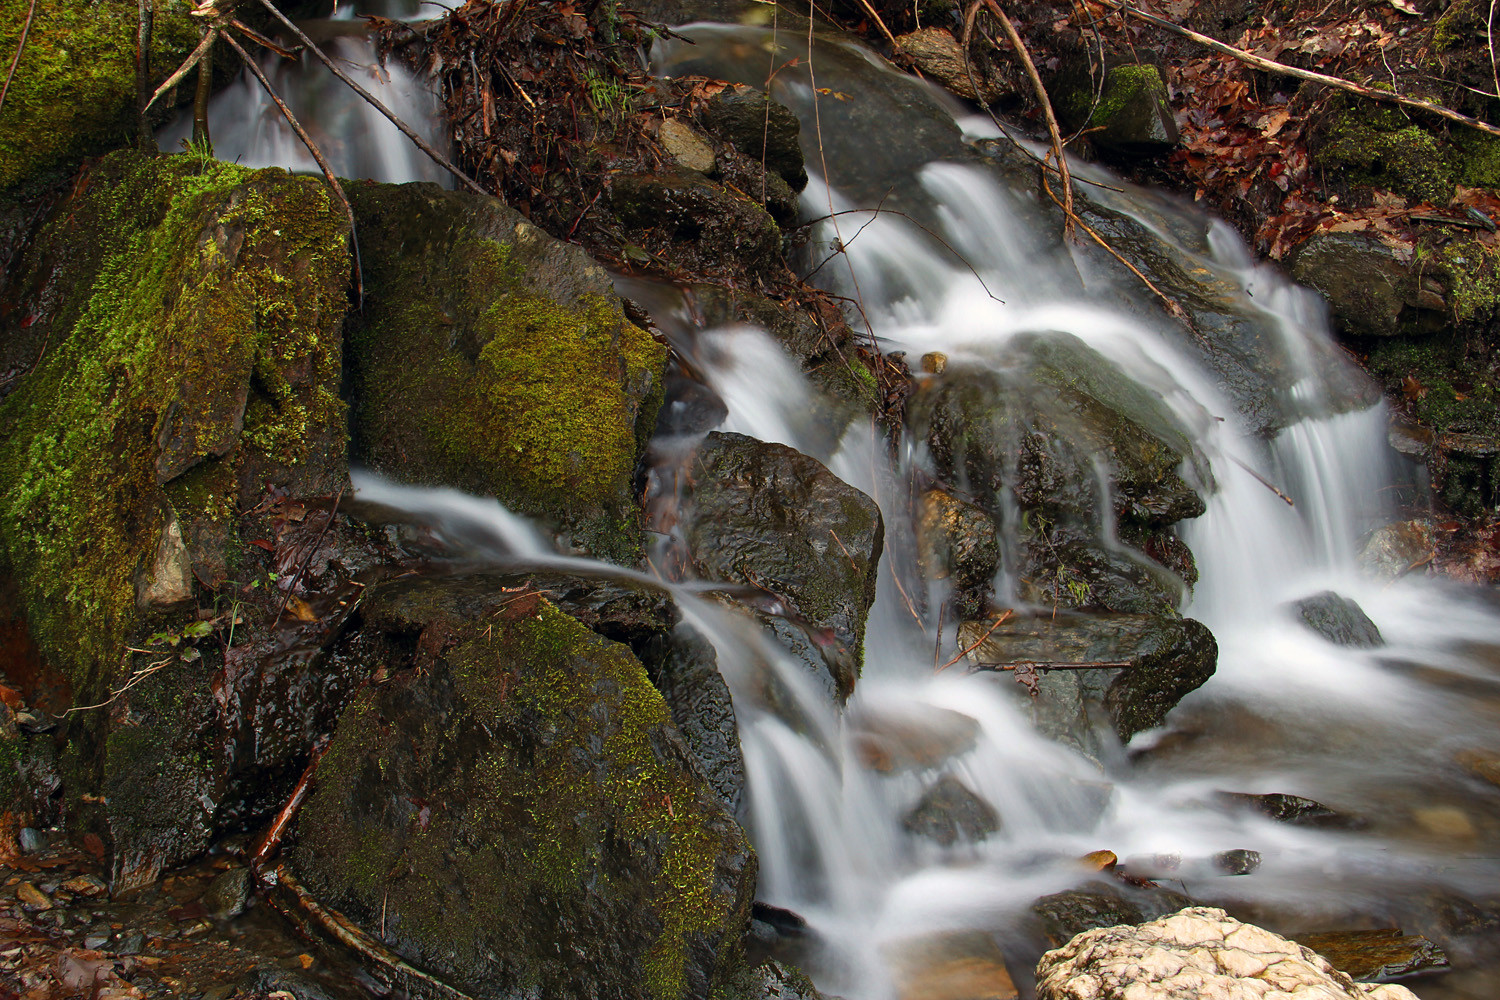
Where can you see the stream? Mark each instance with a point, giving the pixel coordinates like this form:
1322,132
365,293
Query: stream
959,261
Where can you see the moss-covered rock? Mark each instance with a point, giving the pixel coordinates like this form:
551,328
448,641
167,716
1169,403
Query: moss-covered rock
1378,145
1128,113
1373,288
491,357
74,89
192,312
520,818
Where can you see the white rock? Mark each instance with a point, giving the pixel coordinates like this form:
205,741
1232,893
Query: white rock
1199,953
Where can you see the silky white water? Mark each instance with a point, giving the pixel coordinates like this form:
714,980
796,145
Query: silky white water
974,267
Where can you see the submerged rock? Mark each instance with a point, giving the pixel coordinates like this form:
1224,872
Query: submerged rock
1163,659
1394,550
1073,911
520,814
491,357
957,965
1293,809
1199,951
770,517
1339,620
914,737
949,812
957,540
1374,956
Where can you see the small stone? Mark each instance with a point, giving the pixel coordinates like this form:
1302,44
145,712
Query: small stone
33,900
1395,549
1237,862
1294,809
686,147
950,812
1098,861
965,965
86,885
228,894
32,841
934,362
1482,763
1339,620
1445,821
97,940
196,928
131,943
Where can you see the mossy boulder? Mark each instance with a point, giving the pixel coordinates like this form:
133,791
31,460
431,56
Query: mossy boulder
1378,145
1128,113
74,90
491,357
192,312
681,218
771,517
1373,288
519,816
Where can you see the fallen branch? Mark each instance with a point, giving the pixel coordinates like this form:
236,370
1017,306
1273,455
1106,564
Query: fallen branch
182,71
277,830
333,68
301,904
333,182
143,73
1049,665
980,641
15,60
1271,66
1263,481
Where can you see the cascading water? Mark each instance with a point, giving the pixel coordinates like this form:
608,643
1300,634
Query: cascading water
962,263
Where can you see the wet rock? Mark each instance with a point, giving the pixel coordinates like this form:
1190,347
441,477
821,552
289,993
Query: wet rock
496,359
768,516
774,980
939,57
1374,956
1481,763
777,933
1293,809
521,813
76,94
169,578
761,129
1165,659
684,668
1198,951
689,407
1339,620
958,965
1236,862
266,981
700,226
915,737
228,894
1445,822
1129,113
1372,287
949,812
686,147
957,539
1396,549
1073,911
32,840
32,899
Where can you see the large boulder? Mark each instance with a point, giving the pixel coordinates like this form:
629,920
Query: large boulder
1199,951
1133,667
767,516
491,357
1373,288
74,89
514,812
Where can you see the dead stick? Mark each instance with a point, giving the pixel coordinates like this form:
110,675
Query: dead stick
1051,665
143,74
182,71
1270,65
277,830
333,182
20,47
978,642
1263,481
343,930
420,143
883,29
307,559
1046,102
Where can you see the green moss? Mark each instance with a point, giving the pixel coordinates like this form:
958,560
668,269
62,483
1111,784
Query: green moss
562,807
1380,146
74,88
175,303
1471,272
1458,24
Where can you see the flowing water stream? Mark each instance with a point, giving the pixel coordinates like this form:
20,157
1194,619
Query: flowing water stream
974,268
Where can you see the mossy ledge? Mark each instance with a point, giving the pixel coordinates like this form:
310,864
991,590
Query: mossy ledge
521,818
74,89
494,358
193,311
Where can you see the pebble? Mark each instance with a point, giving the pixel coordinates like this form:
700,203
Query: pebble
1445,821
32,840
86,885
32,899
131,943
96,941
1237,862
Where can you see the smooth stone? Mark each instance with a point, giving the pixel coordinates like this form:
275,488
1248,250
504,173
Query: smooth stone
913,739
1481,763
687,148
1339,620
228,894
1236,862
949,812
960,965
32,899
1073,911
1448,822
1376,955
1293,809
1393,550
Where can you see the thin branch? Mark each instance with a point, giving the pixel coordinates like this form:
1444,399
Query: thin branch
1263,481
185,68
406,129
883,29
20,47
143,73
1271,66
307,559
262,40
333,182
1046,102
277,830
1050,665
980,641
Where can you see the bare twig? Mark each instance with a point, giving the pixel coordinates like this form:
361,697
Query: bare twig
307,558
980,641
15,60
143,73
406,129
202,93
1271,66
185,68
277,830
262,40
333,182
1046,103
1263,481
135,678
880,24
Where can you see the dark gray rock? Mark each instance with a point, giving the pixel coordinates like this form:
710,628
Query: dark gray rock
1128,113
228,894
1373,289
684,668
1073,911
1164,659
1236,862
1339,620
699,225
1293,809
949,812
761,129
770,517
